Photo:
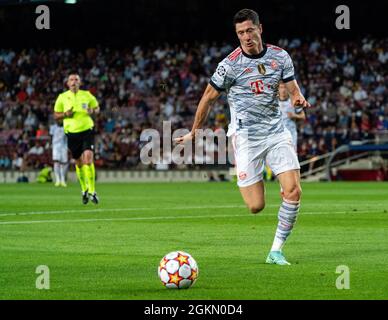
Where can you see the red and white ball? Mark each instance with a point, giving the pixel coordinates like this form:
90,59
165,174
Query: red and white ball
178,270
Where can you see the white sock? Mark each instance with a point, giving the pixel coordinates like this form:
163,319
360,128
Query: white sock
57,172
63,172
287,215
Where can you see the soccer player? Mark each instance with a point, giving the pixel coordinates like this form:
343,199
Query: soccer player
75,107
250,76
290,114
59,153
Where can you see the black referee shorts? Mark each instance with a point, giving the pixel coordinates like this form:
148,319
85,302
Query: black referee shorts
79,142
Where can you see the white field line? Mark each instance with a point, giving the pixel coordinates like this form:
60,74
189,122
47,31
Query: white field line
159,218
120,219
27,213
101,210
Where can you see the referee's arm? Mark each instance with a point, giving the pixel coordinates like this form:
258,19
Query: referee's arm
94,110
63,115
59,113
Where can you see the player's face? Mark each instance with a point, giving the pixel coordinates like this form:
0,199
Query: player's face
74,82
283,94
249,35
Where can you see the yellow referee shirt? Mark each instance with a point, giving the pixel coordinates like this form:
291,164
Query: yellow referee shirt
80,102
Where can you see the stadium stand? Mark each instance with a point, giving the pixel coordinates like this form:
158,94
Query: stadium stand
140,87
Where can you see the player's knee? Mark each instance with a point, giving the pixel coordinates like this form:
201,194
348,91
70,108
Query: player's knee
79,162
293,194
256,207
87,157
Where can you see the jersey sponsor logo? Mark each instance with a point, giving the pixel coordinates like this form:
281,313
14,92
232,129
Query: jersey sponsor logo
248,70
221,71
261,68
257,86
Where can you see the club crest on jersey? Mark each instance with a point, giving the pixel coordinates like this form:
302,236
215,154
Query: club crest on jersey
84,106
261,68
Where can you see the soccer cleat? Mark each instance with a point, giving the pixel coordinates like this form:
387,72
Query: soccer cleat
63,184
57,184
85,198
277,257
93,198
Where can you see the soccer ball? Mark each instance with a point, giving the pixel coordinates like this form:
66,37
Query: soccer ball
178,270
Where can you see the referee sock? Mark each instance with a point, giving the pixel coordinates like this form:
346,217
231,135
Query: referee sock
287,217
81,177
90,174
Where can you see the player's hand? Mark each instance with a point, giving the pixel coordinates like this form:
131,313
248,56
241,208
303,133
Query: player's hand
299,101
184,139
69,113
290,115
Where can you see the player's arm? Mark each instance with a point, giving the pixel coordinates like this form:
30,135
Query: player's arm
297,115
208,98
300,115
296,95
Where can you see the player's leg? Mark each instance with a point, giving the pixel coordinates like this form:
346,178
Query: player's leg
63,170
91,174
81,175
79,169
289,208
249,163
284,162
75,146
249,170
63,166
88,161
253,196
57,173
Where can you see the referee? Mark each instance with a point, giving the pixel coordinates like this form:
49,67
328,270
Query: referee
75,107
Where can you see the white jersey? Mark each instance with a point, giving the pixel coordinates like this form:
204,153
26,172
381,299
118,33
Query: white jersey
251,83
59,144
286,107
59,138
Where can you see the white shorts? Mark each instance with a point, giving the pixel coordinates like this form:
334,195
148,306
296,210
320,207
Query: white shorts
277,151
294,136
60,154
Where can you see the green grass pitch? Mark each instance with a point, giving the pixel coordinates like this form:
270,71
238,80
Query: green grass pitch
112,251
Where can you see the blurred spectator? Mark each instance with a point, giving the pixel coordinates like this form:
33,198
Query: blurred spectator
36,149
140,87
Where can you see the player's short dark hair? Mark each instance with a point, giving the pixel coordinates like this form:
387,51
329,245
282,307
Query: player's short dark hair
71,73
246,14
